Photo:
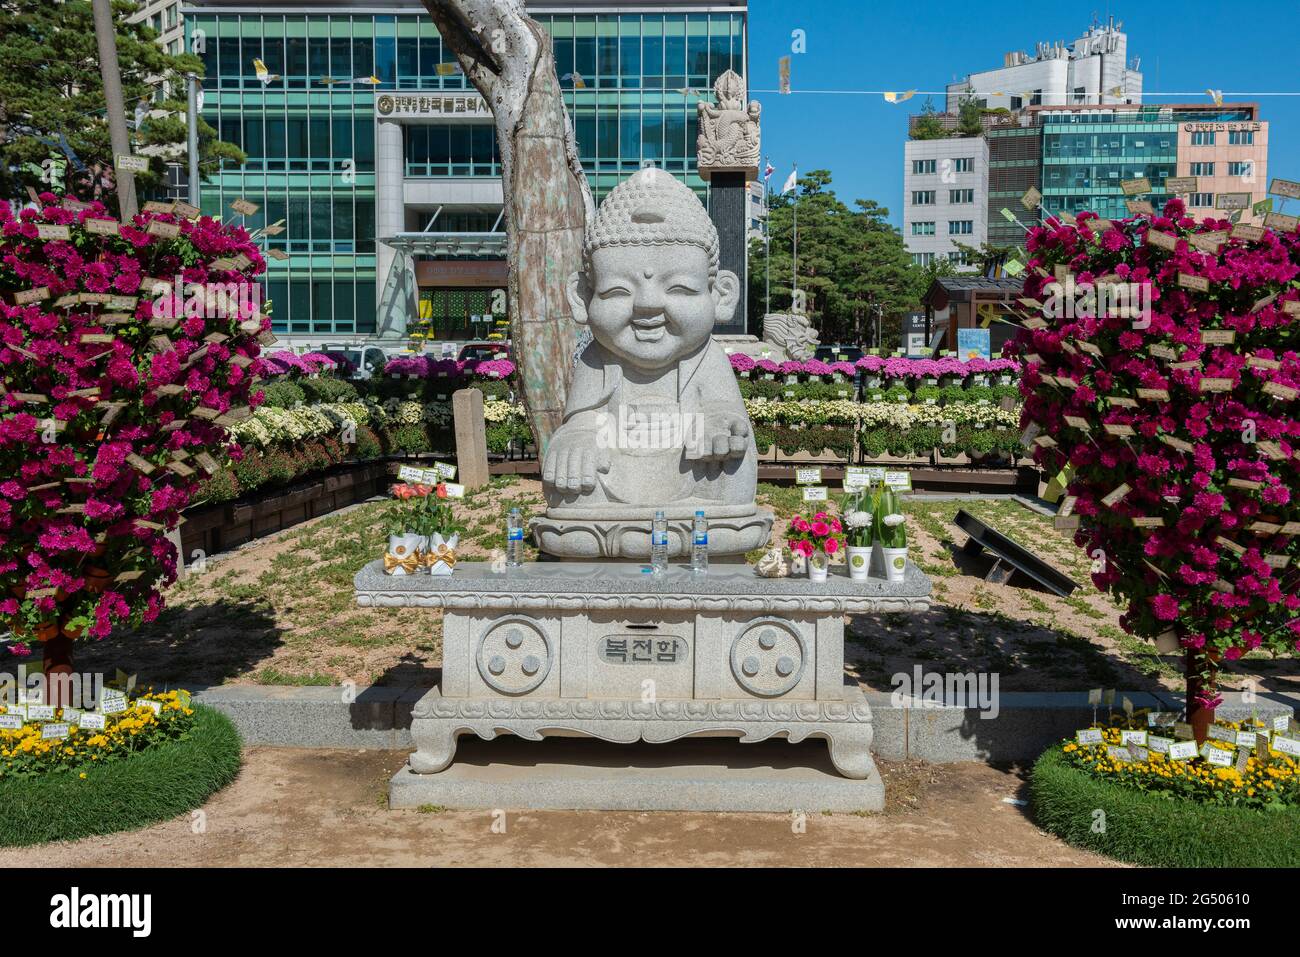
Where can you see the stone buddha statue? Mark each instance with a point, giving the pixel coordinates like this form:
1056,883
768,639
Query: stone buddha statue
654,419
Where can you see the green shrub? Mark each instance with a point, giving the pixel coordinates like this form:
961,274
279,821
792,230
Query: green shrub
122,795
220,486
953,395
280,467
326,389
828,390
1000,392
409,439
924,438
283,395
1008,443
980,442
874,442
251,470
927,392
761,389
1157,829
367,446
493,388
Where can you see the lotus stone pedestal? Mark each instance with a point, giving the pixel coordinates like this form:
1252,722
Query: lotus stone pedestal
610,651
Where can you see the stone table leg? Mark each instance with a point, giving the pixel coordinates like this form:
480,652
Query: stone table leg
435,743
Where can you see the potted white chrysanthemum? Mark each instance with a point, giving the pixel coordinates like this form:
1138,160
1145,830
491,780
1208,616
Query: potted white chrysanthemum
859,532
892,532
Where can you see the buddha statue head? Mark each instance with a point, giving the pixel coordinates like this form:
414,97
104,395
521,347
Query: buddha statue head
650,288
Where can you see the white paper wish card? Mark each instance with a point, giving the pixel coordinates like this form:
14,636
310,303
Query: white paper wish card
1182,750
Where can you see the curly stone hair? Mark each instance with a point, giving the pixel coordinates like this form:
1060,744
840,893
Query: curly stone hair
652,208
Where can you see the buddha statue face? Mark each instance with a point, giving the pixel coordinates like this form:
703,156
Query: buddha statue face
652,290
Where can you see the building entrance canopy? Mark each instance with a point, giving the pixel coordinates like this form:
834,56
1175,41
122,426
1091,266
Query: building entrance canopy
449,245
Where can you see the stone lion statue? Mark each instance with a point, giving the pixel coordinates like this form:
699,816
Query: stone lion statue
793,332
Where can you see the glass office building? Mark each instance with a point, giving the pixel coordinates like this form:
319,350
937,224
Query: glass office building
382,159
1088,153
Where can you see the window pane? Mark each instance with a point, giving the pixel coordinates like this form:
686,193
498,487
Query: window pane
674,51
320,221
629,56
320,136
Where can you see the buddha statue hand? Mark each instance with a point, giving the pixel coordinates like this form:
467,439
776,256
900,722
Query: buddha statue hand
718,436
573,459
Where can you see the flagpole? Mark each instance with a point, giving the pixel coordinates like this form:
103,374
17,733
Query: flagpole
794,294
767,238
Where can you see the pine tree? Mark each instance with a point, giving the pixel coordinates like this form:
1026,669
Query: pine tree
53,122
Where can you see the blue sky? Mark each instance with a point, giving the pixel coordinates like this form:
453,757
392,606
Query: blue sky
892,45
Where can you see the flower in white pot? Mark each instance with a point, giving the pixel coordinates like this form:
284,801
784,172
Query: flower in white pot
435,519
893,535
422,532
816,539
858,532
405,554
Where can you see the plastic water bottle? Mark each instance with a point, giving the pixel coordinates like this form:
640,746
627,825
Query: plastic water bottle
659,543
515,539
700,545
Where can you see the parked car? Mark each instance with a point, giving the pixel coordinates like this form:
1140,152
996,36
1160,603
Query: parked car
482,351
366,362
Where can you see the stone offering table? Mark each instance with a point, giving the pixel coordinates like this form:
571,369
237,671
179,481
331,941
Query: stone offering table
610,651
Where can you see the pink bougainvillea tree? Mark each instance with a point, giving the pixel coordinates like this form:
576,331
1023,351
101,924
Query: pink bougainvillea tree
1161,377
125,351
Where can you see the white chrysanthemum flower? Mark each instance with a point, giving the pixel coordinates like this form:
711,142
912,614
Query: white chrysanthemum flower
858,519
893,521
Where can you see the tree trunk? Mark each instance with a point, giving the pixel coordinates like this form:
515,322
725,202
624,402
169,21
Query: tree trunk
508,57
1202,682
58,661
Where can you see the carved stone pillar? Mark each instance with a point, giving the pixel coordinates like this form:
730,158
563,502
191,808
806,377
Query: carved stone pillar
727,156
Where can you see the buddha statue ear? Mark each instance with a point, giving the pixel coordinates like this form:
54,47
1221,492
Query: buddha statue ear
726,295
578,291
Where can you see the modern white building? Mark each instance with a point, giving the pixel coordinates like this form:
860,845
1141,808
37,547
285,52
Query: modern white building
945,197
1093,69
165,17
756,210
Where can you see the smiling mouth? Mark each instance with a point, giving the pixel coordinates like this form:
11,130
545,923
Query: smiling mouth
650,330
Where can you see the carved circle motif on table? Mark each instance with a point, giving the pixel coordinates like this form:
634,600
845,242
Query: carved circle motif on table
768,658
514,656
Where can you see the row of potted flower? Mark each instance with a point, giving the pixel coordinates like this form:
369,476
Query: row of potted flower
891,367
427,367
895,415
285,362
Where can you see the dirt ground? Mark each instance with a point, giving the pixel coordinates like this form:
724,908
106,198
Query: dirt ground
280,611
328,809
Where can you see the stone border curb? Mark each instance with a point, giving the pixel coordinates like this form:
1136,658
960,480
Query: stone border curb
1027,723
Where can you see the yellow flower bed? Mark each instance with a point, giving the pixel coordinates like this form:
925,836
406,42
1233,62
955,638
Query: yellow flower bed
24,751
1270,779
